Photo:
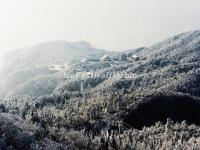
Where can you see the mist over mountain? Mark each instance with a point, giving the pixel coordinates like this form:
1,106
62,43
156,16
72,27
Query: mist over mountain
43,103
47,54
23,65
166,62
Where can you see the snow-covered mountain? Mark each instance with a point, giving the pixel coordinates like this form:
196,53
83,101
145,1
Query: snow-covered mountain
165,88
26,64
170,65
47,54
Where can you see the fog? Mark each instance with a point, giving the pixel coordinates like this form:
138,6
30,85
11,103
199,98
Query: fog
107,24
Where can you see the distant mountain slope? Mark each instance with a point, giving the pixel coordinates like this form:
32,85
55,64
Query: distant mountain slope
22,66
39,86
48,53
170,65
184,46
18,77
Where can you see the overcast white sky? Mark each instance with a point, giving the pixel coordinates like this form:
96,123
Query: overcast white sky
108,24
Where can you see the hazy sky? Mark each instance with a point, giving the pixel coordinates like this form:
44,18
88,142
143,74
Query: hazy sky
108,24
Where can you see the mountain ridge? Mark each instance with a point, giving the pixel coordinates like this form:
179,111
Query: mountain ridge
174,53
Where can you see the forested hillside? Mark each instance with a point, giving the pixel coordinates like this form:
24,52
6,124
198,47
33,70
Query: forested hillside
158,107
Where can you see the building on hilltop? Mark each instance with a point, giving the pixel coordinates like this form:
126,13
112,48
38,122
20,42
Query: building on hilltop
90,60
106,58
135,57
